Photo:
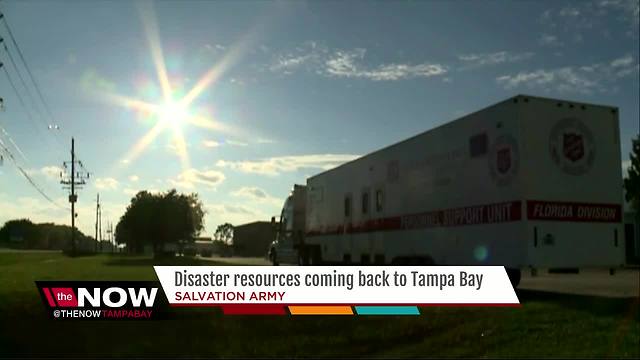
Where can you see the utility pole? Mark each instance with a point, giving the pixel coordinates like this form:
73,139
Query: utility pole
111,239
97,214
100,227
75,180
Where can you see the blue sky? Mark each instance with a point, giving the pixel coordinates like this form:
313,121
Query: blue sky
294,88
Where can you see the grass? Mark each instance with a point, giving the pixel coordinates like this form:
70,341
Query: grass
548,325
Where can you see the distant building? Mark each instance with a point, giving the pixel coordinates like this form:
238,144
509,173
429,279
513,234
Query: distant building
203,245
252,239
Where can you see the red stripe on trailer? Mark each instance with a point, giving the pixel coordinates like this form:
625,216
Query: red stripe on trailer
573,211
468,215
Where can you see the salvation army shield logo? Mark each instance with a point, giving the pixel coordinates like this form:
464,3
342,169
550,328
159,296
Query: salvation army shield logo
571,146
503,160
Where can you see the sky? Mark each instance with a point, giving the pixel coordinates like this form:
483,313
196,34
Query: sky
239,100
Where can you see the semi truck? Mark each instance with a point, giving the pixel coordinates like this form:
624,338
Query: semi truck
526,183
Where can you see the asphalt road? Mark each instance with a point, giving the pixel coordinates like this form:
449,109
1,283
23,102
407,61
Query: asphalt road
238,260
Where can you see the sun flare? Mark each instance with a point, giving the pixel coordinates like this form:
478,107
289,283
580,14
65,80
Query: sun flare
173,114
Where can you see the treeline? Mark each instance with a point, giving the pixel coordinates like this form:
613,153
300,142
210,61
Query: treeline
24,234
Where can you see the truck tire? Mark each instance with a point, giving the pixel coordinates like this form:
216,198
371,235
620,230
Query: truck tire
314,257
303,257
514,276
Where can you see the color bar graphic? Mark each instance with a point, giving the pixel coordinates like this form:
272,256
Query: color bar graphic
320,310
387,310
244,309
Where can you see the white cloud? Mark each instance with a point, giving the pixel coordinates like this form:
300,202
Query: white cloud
628,9
549,40
176,147
583,16
291,62
134,178
486,59
234,214
236,143
210,143
214,47
256,194
348,63
130,192
276,165
52,172
623,61
106,183
587,79
569,12
345,64
308,54
265,141
92,81
236,81
188,179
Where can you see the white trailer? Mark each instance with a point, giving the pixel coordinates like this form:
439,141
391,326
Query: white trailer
528,182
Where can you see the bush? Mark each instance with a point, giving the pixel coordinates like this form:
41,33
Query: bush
164,254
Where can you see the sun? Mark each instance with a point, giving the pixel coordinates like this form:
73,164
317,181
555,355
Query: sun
173,114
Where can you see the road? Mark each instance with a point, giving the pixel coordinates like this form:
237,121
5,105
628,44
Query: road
238,260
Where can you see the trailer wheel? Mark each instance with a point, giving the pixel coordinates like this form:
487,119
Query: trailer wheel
314,256
514,276
303,257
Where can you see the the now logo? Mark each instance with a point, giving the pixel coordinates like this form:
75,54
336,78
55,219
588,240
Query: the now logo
122,296
108,296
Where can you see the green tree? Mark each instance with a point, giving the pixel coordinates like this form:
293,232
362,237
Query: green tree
158,219
224,234
632,180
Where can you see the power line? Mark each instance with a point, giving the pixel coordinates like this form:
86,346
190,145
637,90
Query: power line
44,103
24,84
15,90
26,175
26,66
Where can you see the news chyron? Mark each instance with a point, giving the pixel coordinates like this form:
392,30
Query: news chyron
104,300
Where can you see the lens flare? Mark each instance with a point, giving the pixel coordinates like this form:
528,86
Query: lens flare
481,253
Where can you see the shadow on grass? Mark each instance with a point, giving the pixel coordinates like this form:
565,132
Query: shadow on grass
599,305
124,260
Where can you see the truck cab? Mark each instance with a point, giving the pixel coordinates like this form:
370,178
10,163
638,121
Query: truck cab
288,244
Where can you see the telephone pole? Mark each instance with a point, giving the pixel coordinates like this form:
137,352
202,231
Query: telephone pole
111,240
75,180
97,214
100,227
